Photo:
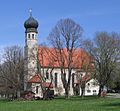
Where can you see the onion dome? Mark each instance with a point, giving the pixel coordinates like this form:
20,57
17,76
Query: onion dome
31,24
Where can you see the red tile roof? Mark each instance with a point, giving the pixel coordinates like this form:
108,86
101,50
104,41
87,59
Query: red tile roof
35,79
84,78
50,57
47,84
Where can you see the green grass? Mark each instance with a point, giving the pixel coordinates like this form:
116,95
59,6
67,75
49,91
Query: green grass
60,104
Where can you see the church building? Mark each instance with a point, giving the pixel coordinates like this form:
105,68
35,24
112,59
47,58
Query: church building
42,71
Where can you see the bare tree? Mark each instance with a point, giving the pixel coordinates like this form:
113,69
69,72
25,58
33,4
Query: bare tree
105,49
65,38
12,70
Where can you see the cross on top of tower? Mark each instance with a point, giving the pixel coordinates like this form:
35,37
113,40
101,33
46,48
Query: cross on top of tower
30,11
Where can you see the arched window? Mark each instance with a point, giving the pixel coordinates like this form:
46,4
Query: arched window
32,36
56,79
28,36
37,87
73,79
47,75
64,76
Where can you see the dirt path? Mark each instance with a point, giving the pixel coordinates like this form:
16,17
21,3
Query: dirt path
113,95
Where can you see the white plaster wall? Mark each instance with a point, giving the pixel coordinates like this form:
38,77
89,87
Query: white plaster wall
60,84
92,87
39,94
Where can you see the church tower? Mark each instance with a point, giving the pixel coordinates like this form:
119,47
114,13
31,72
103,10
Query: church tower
31,49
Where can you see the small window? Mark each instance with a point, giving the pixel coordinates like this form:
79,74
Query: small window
88,91
28,36
88,84
94,90
37,87
32,36
47,75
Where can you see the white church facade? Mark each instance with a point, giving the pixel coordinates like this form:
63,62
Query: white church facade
33,61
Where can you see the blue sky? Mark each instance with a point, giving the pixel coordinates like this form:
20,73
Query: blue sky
92,15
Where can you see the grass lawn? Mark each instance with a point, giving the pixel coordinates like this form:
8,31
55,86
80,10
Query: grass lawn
60,104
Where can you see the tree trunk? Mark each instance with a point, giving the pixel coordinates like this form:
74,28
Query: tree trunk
45,95
100,90
66,92
83,88
82,92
